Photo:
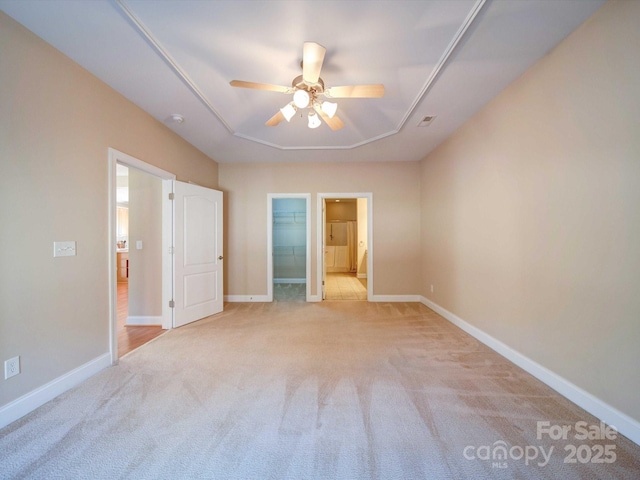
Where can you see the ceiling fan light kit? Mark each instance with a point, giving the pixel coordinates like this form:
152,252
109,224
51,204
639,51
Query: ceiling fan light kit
307,87
314,121
289,110
301,98
329,108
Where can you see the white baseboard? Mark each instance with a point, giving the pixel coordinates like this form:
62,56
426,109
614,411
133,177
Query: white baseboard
144,320
361,275
29,402
623,423
261,298
395,298
289,280
246,298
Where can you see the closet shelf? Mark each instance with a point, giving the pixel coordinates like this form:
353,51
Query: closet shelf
281,217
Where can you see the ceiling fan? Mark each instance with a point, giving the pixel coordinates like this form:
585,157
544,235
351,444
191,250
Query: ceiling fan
308,87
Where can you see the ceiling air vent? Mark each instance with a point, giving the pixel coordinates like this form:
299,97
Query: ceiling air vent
426,121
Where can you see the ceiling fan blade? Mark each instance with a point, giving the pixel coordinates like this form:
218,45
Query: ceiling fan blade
334,122
260,86
312,58
356,91
275,120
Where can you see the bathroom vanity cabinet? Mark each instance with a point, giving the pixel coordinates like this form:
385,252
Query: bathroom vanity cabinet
123,266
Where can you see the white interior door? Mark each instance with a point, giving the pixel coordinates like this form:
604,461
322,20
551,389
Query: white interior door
198,253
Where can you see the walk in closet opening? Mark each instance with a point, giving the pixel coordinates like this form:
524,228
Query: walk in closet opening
290,247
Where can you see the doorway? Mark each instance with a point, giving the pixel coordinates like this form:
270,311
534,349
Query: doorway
150,243
140,194
196,250
345,253
289,247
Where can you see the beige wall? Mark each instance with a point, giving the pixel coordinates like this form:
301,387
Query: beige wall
531,212
56,126
396,218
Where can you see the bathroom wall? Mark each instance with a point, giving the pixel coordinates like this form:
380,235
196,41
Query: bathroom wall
362,238
340,255
343,210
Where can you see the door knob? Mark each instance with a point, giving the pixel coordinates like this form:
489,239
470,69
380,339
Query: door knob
220,257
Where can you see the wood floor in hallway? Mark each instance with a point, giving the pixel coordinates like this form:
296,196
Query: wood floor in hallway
131,337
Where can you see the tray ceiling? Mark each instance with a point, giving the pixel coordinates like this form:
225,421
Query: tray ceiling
443,58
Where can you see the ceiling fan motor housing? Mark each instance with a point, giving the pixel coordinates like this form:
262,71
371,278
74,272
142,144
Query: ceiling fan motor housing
313,88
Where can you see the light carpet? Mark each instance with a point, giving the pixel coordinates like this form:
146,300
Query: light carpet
333,390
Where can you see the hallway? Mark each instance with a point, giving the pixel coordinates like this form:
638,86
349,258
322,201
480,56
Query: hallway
131,337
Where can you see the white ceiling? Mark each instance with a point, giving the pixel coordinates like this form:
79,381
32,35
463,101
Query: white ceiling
446,58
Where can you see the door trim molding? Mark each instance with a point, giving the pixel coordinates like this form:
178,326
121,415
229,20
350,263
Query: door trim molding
322,197
115,157
270,198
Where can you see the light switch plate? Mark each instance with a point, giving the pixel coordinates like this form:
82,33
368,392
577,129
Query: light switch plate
138,244
64,249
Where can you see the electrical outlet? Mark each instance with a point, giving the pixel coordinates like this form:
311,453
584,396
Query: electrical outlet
11,367
431,288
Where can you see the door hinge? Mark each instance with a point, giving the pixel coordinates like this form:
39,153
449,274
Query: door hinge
172,196
172,250
172,304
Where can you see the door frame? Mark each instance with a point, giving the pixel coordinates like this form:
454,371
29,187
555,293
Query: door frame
168,178
322,198
270,198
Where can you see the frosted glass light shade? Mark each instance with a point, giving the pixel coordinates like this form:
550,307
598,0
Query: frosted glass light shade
288,111
314,121
329,108
301,98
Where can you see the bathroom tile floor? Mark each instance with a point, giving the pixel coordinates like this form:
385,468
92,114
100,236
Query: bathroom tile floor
345,286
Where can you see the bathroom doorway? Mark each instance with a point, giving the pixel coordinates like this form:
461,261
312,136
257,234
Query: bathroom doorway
345,246
289,235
